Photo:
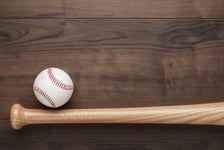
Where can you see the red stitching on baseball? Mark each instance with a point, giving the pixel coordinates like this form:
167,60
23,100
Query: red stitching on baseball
57,82
45,95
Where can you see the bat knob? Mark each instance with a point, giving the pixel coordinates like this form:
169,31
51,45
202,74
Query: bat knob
17,116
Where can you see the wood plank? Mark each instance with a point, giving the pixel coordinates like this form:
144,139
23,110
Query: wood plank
114,63
111,9
111,137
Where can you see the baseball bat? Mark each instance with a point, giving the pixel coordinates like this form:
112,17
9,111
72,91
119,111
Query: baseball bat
203,114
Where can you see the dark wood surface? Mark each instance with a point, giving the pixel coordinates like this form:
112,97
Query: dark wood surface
119,54
111,9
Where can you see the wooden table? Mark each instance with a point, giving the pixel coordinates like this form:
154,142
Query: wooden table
121,53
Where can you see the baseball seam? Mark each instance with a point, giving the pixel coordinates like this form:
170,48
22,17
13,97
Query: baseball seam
45,95
58,83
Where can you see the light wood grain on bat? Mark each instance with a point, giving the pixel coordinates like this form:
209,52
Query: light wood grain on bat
205,114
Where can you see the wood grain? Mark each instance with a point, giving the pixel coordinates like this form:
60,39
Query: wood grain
89,136
197,114
111,9
115,63
121,53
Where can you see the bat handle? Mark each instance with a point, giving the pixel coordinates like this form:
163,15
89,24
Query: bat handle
205,114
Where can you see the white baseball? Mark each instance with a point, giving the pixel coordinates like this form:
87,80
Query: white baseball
53,87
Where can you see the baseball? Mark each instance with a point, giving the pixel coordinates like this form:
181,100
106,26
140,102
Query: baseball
53,87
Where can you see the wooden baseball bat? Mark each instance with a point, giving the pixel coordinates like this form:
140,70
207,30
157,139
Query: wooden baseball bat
204,114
